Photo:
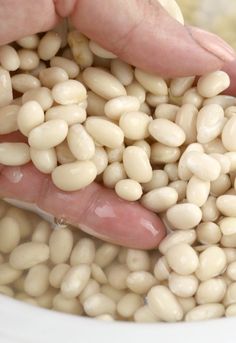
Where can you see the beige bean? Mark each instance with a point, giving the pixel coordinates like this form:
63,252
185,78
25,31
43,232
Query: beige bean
57,274
37,280
29,116
159,179
100,159
167,132
24,82
180,85
145,315
212,262
41,94
105,254
230,254
6,95
96,104
113,174
161,153
75,281
192,96
231,311
27,255
228,134
48,134
62,304
213,83
8,119
208,233
122,71
80,142
187,304
5,290
228,225
83,252
104,132
197,191
182,258
129,304
114,108
184,216
46,300
91,288
166,111
72,114
44,160
224,161
116,154
203,166
162,269
230,111
140,282
14,154
9,58
71,68
9,234
160,199
22,219
230,296
112,293
42,232
35,72
60,245
29,42
226,204
183,170
78,43
117,275
177,237
183,285
64,155
135,89
186,118
228,241
205,312
180,186
215,146
8,274
136,164
231,270
29,59
150,82
49,77
222,100
100,51
98,274
135,125
211,291
69,92
49,45
98,304
96,78
210,122
137,260
128,189
164,304
210,211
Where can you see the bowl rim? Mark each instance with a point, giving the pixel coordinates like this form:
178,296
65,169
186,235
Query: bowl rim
24,323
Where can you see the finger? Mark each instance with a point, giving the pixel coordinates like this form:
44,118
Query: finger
96,210
230,69
142,33
21,18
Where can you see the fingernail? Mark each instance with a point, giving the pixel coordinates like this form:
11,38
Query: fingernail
212,43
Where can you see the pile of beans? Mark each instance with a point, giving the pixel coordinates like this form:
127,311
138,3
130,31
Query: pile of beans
88,116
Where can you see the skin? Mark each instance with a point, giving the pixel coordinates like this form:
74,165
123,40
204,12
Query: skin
143,34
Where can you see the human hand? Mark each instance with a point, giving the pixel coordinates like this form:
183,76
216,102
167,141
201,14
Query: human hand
129,30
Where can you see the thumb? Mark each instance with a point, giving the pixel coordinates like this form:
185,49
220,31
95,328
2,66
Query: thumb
142,33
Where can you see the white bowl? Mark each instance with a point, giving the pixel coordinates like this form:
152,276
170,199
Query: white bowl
23,323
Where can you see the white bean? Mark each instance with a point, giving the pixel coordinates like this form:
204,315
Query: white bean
60,245
184,216
197,191
167,132
212,262
24,82
136,164
6,94
14,154
122,71
71,68
29,116
80,142
69,92
75,280
9,234
160,199
72,114
49,45
128,189
205,312
213,83
41,94
37,280
151,83
8,119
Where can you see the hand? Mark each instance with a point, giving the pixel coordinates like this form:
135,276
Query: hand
141,33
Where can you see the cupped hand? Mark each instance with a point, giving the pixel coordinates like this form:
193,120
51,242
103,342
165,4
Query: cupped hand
143,34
